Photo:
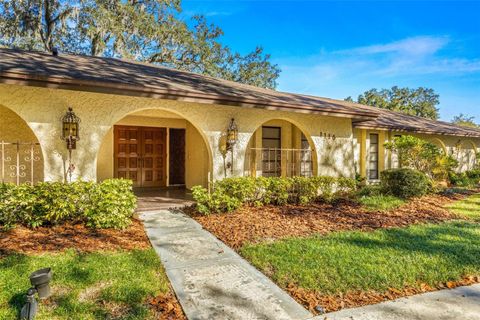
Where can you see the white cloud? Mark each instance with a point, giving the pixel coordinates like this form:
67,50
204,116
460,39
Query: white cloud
415,46
415,56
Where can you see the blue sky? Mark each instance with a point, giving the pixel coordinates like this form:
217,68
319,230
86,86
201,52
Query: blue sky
342,48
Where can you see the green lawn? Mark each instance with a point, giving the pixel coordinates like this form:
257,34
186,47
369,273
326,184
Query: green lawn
101,285
380,202
388,258
469,207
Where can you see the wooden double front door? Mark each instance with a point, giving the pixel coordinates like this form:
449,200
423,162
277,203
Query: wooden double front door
140,155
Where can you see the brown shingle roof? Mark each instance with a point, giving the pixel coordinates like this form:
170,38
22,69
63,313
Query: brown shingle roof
118,76
401,122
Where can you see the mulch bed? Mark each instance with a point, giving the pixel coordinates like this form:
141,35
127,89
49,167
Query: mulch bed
329,303
72,236
258,224
76,236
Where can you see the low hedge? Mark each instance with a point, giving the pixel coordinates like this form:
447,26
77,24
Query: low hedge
109,204
405,183
229,194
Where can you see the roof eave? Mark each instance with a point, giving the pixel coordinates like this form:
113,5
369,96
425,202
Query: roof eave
36,80
414,130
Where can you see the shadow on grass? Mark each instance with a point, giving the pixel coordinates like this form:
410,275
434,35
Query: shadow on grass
437,240
17,301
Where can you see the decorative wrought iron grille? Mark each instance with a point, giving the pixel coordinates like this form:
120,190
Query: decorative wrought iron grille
19,161
274,162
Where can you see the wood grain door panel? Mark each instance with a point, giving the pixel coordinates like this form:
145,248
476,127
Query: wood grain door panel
154,156
127,156
140,155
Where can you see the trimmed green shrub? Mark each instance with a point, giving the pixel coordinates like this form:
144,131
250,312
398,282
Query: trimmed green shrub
405,183
231,193
465,179
473,175
213,202
109,204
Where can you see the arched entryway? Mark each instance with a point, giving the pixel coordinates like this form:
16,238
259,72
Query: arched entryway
280,148
21,159
155,148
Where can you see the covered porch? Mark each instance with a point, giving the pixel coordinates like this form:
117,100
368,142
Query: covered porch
151,199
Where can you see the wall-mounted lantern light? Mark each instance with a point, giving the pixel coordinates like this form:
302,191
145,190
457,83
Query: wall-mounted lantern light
232,134
231,139
71,134
70,129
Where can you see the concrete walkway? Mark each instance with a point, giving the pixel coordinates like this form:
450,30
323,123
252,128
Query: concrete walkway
210,280
462,303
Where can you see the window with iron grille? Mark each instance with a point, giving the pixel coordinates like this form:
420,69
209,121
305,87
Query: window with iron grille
306,161
373,157
271,149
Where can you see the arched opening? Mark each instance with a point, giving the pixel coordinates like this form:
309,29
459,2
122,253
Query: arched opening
21,159
280,148
467,155
155,148
439,143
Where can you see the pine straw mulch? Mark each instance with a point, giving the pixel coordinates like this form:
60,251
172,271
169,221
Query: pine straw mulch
329,303
83,239
72,236
258,224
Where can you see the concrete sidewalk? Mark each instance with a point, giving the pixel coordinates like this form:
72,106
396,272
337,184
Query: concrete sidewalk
210,280
462,303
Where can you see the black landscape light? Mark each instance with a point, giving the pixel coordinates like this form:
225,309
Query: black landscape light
40,281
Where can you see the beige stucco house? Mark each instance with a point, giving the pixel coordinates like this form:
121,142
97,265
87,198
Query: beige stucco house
162,127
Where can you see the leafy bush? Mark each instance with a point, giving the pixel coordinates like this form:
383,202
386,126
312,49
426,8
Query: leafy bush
405,183
465,179
419,154
229,194
474,175
216,201
109,204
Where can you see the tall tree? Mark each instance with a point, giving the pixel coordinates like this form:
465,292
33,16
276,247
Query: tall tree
35,24
465,121
420,102
145,30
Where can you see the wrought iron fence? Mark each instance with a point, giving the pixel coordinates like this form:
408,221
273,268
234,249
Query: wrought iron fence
19,162
275,162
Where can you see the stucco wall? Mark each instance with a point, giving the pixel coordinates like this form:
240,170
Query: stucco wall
42,109
196,158
461,148
14,129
